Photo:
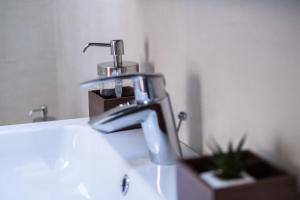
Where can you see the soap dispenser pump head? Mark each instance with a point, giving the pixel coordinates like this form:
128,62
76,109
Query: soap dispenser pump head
116,50
118,66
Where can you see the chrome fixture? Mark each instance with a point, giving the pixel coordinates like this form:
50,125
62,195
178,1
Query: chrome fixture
182,116
151,108
118,66
125,184
43,111
116,50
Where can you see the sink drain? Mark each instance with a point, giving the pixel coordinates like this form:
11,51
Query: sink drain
125,184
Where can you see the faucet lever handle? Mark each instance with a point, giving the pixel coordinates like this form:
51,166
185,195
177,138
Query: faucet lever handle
147,87
132,76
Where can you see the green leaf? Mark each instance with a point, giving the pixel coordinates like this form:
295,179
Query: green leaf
211,148
230,147
217,146
241,143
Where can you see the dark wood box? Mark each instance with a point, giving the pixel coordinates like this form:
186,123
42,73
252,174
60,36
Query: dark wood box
99,104
272,183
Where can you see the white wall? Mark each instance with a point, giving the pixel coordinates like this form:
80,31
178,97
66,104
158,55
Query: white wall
233,65
27,59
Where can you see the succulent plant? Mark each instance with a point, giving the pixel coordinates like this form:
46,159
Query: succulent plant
230,164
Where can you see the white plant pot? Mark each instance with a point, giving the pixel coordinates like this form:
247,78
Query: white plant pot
217,183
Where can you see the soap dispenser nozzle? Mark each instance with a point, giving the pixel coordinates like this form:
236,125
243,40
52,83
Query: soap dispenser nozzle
116,50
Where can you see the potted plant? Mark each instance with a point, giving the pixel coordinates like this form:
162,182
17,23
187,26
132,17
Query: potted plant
234,174
229,167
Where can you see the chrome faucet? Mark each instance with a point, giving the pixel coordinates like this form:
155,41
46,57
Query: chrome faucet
43,110
151,108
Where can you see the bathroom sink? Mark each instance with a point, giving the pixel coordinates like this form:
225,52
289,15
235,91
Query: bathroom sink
67,160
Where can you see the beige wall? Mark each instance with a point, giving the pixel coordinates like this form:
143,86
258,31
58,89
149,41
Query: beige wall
27,59
79,22
233,65
239,65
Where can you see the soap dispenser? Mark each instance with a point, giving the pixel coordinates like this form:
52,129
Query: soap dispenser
110,95
114,68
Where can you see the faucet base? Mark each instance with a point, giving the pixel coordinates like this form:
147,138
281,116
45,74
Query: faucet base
156,159
160,150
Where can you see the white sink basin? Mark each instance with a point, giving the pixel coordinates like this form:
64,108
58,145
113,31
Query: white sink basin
67,160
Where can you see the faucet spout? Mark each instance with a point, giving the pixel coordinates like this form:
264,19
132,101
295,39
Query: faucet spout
156,139
152,109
